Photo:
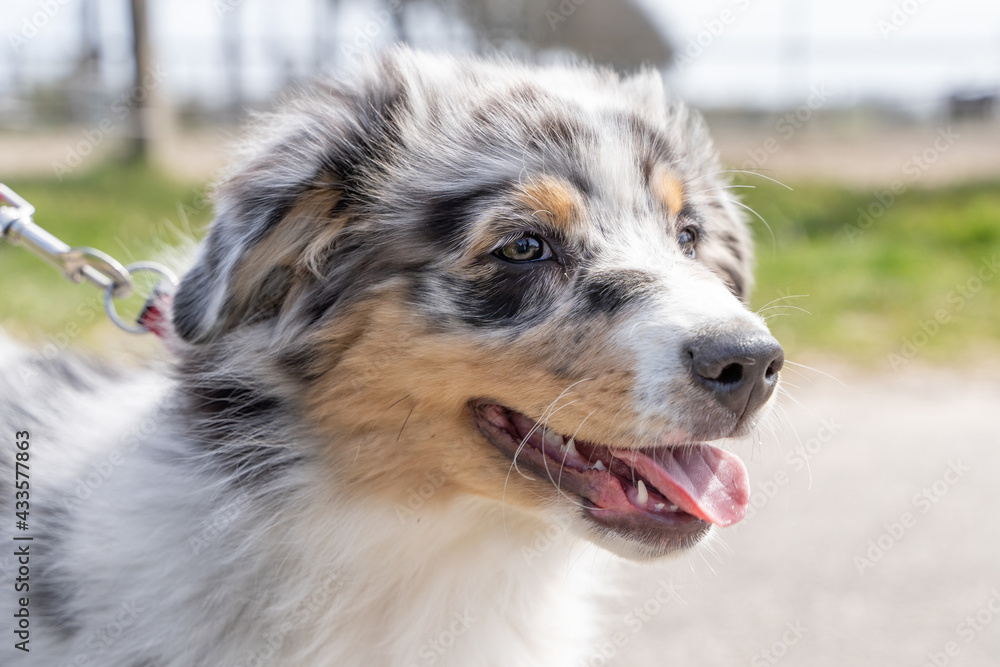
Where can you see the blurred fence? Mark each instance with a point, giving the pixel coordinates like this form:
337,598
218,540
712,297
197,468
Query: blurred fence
69,60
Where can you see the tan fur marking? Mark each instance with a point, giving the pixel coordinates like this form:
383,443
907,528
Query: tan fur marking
668,188
400,393
553,199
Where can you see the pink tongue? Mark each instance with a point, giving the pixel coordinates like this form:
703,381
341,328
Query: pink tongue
702,480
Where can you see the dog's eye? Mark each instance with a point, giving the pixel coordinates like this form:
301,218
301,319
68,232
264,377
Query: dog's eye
688,239
526,248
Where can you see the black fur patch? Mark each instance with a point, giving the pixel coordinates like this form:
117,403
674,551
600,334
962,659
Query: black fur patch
51,589
734,247
508,295
736,283
190,301
267,300
275,203
300,363
234,402
688,212
608,293
230,420
449,215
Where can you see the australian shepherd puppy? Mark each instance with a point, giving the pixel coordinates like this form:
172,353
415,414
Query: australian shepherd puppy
446,306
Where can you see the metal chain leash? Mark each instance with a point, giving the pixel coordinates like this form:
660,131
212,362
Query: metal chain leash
77,264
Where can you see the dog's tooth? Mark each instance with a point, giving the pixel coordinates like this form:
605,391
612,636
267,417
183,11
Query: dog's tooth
643,495
673,507
599,465
659,506
571,447
553,439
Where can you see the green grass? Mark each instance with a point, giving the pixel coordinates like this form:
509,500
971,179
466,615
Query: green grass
867,291
881,285
131,213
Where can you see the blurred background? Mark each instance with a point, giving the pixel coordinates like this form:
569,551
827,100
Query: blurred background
865,136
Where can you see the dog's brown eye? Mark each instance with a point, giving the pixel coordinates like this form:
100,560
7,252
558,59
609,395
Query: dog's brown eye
527,248
688,239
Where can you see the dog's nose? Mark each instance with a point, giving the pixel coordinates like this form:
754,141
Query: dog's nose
740,368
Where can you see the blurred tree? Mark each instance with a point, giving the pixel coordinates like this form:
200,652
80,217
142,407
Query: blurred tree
84,89
149,115
232,57
90,36
138,144
619,33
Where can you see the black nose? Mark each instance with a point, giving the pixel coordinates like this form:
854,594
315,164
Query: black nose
740,368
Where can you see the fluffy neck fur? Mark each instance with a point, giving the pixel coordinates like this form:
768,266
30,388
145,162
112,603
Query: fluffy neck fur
451,586
317,579
224,571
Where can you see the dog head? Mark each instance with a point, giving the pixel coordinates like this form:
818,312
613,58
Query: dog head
525,284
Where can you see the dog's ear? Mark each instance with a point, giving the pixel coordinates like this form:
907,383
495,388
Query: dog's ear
279,214
265,239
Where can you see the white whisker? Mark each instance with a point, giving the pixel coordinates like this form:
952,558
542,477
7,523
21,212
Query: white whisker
755,173
816,370
774,240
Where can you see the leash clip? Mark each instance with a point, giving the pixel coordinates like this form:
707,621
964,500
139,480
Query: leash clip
77,264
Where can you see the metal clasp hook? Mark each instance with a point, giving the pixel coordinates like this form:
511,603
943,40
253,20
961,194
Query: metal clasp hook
77,264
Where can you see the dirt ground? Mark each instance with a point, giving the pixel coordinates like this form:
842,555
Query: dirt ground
862,155
884,550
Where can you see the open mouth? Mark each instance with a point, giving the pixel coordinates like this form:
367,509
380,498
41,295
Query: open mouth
678,489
